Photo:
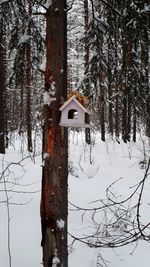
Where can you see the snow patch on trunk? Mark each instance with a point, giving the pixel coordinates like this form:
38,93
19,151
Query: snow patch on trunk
48,3
60,224
56,261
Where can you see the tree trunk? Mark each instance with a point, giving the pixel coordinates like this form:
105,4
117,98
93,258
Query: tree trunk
54,206
130,85
125,95
110,67
2,88
116,110
135,103
110,91
134,124
86,60
102,110
145,59
28,107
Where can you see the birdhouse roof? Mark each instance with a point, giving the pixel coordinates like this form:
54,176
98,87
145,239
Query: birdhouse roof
73,98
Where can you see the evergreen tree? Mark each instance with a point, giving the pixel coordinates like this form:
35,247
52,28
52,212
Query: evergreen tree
55,170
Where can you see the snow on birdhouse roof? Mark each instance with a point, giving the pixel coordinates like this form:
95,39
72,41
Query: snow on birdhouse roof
73,98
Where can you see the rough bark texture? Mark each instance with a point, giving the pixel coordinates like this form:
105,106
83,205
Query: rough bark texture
2,89
55,170
102,108
117,111
147,89
110,91
86,60
28,78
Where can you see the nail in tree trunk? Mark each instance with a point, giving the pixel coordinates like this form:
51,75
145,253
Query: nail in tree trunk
55,147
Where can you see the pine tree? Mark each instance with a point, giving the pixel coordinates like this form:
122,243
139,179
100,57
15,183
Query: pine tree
55,170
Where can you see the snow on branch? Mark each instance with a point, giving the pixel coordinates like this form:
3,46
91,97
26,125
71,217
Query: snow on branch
42,67
25,38
3,1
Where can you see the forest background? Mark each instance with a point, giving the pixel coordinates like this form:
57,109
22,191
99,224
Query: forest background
108,62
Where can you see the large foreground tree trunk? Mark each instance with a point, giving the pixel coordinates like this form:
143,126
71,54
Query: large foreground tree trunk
55,148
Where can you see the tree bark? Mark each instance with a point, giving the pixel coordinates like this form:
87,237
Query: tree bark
102,111
54,198
28,77
110,91
2,89
86,60
117,110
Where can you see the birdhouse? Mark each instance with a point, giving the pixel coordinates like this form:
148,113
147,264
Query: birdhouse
74,114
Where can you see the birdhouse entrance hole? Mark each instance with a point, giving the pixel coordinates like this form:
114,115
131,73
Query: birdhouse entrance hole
73,114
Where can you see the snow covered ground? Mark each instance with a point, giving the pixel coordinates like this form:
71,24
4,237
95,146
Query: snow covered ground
92,169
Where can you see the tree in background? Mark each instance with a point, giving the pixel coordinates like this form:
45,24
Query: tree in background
2,85
28,79
24,52
86,61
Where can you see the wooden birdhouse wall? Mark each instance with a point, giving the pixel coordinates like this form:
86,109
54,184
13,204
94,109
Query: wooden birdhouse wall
78,119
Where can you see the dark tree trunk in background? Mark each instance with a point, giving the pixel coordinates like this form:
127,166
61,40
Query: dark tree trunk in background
2,88
21,127
130,85
125,94
54,200
28,85
110,67
124,116
86,60
145,58
134,124
135,102
102,111
110,91
116,110
116,81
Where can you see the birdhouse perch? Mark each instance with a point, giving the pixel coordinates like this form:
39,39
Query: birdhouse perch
74,114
